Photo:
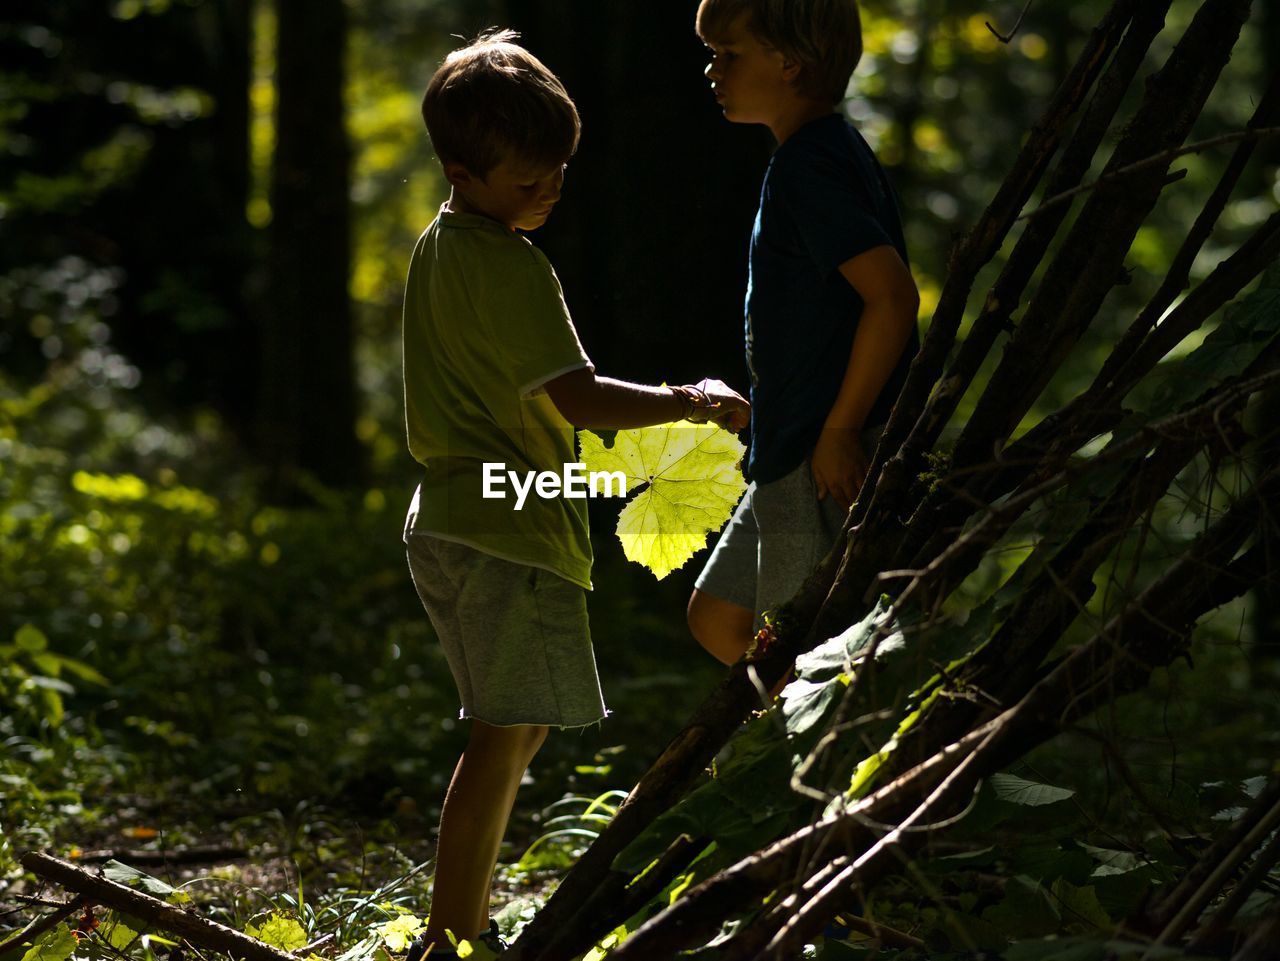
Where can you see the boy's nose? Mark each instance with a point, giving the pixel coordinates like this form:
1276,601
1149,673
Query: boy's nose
711,71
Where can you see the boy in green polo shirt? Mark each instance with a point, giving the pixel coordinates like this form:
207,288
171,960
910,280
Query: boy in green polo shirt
494,374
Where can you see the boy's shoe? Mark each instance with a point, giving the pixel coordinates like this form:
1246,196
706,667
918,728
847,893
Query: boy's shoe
491,939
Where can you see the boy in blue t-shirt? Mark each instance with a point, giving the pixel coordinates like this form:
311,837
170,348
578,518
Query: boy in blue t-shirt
830,309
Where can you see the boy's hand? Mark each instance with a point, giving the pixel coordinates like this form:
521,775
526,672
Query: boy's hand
732,411
839,465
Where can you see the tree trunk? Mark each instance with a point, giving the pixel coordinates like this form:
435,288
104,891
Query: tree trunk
306,423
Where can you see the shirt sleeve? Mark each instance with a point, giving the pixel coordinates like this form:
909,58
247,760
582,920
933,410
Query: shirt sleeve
532,329
832,212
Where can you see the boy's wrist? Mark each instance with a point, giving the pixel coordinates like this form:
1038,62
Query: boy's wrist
696,405
686,405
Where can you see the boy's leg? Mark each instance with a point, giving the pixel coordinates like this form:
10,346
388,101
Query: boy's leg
720,626
722,607
472,822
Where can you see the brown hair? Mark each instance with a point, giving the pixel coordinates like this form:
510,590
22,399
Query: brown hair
493,99
823,36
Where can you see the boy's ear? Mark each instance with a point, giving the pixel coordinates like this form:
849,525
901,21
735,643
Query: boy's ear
790,71
457,175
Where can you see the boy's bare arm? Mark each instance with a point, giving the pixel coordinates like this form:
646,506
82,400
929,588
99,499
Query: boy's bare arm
586,399
890,304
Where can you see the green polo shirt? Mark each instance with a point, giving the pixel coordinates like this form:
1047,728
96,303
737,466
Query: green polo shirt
485,327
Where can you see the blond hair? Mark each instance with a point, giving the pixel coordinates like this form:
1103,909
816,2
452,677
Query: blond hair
493,100
824,37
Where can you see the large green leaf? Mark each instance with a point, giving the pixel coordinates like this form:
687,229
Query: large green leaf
119,934
692,482
123,874
57,944
1017,790
279,931
1112,862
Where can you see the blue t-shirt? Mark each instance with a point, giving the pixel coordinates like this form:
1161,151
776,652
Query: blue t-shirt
825,199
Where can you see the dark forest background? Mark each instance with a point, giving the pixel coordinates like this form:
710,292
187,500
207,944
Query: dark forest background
207,631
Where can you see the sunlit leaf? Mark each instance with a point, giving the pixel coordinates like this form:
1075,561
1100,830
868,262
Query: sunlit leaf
279,931
693,482
398,932
57,944
118,934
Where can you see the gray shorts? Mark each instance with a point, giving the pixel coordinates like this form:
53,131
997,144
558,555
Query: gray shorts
516,637
779,533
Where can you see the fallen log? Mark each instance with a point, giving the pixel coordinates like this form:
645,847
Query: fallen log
199,931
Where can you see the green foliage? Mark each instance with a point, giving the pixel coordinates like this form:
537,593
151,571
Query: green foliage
161,625
399,932
57,944
694,481
279,931
567,832
31,678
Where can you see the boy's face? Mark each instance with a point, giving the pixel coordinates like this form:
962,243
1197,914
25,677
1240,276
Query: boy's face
750,80
512,193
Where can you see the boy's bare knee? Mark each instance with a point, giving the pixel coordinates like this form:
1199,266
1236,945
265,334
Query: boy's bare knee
722,628
702,616
693,614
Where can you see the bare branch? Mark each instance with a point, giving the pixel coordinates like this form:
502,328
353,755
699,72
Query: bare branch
1155,160
38,927
1001,37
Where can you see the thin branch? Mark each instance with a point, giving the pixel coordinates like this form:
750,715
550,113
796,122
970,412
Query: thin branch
1130,780
814,912
1015,506
1193,905
41,925
1154,160
1001,37
1261,868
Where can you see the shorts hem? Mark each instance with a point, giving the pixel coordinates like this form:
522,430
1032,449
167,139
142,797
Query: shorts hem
463,715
